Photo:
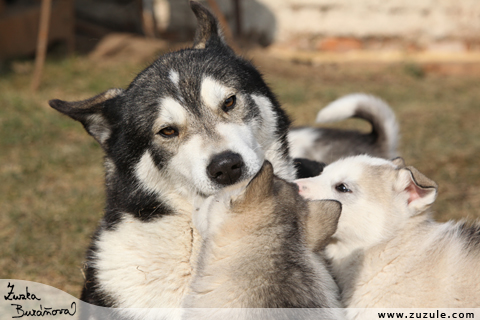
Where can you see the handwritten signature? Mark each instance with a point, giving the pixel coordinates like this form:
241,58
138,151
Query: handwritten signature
12,296
44,311
38,312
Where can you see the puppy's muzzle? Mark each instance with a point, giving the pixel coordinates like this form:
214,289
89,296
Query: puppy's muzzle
226,168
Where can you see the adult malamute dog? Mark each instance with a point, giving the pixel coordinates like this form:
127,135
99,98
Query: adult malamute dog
387,251
328,145
257,251
193,122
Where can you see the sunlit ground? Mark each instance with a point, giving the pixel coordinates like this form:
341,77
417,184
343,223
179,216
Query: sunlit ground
51,175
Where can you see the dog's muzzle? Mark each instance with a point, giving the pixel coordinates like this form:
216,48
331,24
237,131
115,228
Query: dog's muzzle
226,168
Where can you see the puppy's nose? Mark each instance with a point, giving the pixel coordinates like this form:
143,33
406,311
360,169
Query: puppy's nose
225,168
302,187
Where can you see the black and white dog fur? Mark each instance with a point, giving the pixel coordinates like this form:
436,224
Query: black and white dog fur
193,122
328,145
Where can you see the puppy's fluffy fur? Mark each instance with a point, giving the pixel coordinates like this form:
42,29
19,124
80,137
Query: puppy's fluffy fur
387,250
254,250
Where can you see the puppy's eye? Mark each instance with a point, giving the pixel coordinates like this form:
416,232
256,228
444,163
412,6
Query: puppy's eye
229,103
342,187
168,132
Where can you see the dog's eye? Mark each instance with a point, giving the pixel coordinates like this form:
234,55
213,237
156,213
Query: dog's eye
229,103
168,132
342,187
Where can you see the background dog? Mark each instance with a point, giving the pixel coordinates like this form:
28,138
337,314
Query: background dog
254,250
387,250
328,145
195,121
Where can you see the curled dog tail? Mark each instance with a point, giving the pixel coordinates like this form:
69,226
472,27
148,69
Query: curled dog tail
374,110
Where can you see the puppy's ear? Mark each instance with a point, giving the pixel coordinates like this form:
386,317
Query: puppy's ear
90,113
421,191
321,222
261,186
399,162
208,30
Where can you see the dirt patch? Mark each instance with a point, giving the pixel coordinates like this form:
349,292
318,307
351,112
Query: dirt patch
120,47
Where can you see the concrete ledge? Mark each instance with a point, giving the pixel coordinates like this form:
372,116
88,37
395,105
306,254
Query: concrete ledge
359,56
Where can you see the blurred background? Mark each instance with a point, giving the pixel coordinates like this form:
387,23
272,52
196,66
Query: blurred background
421,56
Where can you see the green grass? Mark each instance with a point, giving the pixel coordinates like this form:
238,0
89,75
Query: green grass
51,174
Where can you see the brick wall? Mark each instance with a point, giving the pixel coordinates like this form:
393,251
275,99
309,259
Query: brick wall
450,25
340,25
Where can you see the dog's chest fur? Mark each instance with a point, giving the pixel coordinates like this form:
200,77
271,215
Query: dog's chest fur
155,264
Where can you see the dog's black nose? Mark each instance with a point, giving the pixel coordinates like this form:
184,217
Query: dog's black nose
225,168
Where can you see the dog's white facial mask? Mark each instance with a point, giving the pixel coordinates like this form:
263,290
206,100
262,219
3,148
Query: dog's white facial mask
197,140
377,197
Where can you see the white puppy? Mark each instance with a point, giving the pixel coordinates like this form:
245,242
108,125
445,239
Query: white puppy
387,250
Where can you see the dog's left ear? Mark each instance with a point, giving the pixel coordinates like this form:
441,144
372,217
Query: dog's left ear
208,31
421,191
321,222
258,189
261,186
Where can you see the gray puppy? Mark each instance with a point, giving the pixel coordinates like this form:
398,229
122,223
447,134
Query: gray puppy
262,248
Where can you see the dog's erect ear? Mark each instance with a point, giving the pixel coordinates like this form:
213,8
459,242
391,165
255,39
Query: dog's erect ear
261,186
421,191
399,162
321,222
89,112
208,30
